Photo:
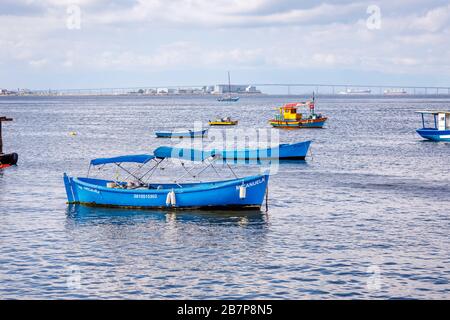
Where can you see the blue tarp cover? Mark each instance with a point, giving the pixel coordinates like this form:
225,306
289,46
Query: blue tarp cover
184,154
142,158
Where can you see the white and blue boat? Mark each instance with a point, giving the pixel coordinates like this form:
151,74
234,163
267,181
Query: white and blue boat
238,193
181,134
294,151
440,131
229,97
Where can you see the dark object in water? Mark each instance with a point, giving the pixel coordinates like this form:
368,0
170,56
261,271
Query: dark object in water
9,159
6,160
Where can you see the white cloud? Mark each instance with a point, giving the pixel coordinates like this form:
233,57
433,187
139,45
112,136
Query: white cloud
199,34
224,13
38,63
434,20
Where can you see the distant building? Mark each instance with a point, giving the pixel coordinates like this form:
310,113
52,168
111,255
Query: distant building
225,88
25,92
162,91
185,91
6,92
208,89
150,91
252,89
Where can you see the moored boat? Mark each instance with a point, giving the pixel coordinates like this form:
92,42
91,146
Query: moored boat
229,97
247,192
295,151
289,118
181,134
223,122
6,160
440,131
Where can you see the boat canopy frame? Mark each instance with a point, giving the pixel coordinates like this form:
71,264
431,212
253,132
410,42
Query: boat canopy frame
435,115
142,160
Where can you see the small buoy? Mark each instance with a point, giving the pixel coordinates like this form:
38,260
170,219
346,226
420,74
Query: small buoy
72,133
242,192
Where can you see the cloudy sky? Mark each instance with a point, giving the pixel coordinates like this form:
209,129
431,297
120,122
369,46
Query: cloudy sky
127,43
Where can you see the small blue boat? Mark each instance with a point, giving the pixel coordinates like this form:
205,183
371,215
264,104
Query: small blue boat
295,151
441,129
237,193
228,99
181,134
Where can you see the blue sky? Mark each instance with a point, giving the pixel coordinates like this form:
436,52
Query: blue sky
158,43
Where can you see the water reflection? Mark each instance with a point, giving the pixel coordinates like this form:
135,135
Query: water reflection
95,215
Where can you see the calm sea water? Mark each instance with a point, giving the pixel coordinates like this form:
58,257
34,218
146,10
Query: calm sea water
367,216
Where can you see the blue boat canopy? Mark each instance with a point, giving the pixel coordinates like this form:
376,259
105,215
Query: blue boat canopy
142,158
183,154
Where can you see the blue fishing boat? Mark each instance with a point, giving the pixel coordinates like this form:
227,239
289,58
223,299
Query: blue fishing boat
182,134
228,99
237,193
295,151
441,126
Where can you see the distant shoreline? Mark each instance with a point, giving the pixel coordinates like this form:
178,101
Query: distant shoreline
214,97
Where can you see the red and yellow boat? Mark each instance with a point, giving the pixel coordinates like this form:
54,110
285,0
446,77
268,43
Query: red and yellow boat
289,118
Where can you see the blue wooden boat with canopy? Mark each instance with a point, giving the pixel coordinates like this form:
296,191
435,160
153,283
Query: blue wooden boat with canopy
440,131
137,190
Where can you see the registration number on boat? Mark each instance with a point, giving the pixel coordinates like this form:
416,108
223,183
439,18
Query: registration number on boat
145,196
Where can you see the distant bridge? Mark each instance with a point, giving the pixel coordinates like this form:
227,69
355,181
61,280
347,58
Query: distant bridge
332,89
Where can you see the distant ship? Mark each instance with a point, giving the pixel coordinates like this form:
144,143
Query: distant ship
395,92
356,91
229,97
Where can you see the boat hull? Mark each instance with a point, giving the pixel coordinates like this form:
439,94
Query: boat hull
301,124
223,194
187,134
218,123
9,159
434,134
296,151
228,99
